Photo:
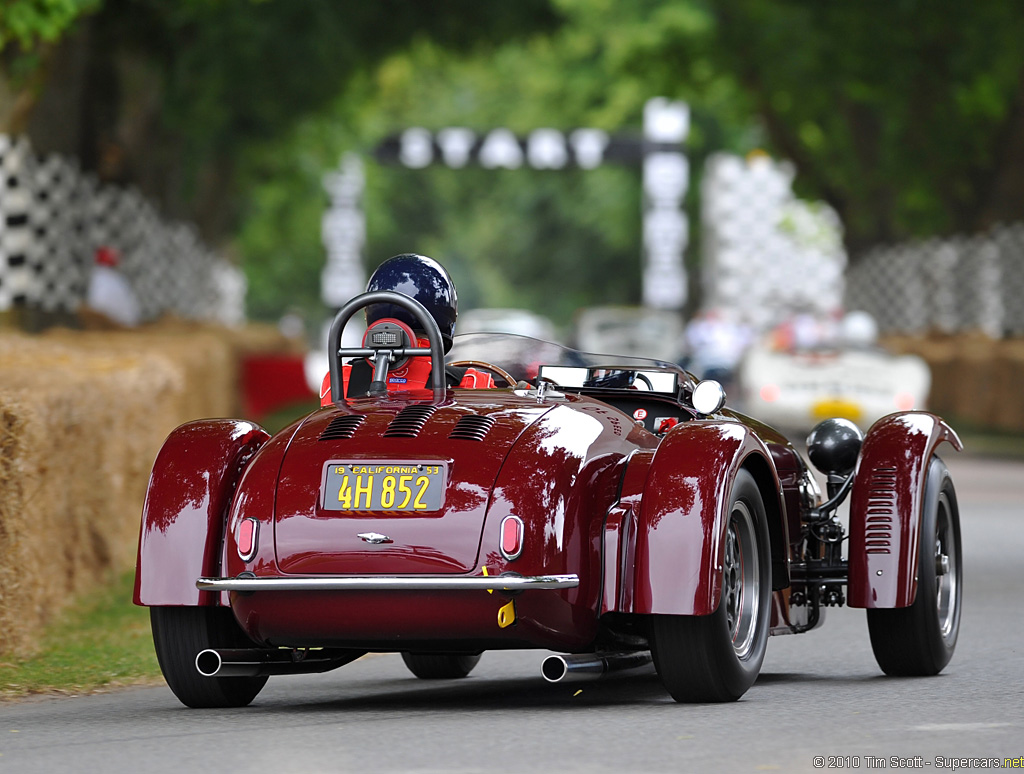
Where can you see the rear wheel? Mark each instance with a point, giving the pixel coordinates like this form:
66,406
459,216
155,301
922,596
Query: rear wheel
440,666
717,657
179,634
920,639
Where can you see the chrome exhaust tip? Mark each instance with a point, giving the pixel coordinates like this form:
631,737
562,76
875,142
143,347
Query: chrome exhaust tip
209,662
559,668
256,662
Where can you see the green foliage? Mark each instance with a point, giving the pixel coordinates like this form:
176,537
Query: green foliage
548,241
241,72
29,23
545,240
28,28
279,240
899,113
905,115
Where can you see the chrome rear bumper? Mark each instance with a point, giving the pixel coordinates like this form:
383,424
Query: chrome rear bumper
392,583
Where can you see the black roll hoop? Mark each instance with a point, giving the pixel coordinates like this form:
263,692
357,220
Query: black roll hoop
336,354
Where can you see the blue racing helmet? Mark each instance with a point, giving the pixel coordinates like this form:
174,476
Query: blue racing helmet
422,279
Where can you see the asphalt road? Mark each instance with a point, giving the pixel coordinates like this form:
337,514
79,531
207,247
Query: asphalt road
819,694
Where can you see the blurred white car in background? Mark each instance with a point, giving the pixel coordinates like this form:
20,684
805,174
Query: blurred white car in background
540,345
631,330
792,380
517,321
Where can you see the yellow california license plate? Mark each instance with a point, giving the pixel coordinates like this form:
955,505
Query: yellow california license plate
384,486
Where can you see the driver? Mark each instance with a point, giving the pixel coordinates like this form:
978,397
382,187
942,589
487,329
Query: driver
425,280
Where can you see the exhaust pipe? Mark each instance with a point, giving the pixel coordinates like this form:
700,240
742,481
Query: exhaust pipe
587,666
256,662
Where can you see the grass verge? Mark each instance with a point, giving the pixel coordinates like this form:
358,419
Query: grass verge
102,642
988,443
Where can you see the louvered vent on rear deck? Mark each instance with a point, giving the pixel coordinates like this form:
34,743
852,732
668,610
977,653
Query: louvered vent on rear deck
409,421
471,427
341,427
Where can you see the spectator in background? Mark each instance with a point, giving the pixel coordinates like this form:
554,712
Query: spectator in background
717,342
804,331
858,330
109,294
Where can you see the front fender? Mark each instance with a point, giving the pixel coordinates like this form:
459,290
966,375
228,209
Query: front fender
683,513
190,489
885,507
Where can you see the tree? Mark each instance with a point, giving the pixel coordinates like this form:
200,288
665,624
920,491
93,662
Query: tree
548,241
907,117
167,94
28,29
551,241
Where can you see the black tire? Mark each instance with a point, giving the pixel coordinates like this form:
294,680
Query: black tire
179,634
440,666
920,639
717,657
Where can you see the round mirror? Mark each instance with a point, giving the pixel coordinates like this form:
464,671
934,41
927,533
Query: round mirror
708,397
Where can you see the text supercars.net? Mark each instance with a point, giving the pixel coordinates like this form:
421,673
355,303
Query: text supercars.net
940,762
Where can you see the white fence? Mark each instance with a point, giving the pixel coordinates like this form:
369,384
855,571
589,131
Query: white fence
766,253
950,285
53,218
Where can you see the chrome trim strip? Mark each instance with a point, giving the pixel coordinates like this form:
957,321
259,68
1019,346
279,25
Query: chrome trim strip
392,583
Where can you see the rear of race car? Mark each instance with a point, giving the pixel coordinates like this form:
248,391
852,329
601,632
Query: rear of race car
410,525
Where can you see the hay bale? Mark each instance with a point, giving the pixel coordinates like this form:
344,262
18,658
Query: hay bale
975,379
80,430
1008,377
971,381
940,355
82,417
204,358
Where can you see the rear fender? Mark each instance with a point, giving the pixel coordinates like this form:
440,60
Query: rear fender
190,489
683,513
885,507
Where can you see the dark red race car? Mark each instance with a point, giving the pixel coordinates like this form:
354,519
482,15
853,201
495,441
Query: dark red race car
606,508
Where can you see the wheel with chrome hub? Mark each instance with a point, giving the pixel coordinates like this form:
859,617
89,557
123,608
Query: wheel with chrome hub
717,657
740,580
920,639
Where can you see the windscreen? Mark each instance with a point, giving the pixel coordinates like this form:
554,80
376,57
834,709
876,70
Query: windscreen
524,357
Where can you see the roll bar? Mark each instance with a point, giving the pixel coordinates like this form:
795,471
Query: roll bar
335,352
